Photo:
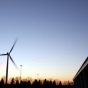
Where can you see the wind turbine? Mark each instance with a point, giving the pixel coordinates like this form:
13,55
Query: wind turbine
8,55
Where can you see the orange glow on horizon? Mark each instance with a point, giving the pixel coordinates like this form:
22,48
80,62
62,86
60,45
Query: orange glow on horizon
42,80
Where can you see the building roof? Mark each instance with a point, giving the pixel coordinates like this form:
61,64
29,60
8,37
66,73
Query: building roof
82,67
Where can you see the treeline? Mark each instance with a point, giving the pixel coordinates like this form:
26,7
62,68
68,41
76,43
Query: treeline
34,84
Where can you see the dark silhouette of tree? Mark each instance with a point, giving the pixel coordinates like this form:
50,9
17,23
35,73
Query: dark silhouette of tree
45,82
17,82
12,81
2,81
60,84
35,84
29,82
54,83
39,83
68,83
50,82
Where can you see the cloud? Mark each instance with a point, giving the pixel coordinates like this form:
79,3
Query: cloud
2,64
38,59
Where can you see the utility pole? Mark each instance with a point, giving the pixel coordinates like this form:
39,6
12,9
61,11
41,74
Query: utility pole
20,72
37,76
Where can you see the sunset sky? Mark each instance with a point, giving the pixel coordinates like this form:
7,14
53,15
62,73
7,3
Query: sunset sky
52,37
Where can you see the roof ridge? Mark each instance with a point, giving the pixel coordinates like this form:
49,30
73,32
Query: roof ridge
81,68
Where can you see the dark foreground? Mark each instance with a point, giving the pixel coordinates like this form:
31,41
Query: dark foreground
35,84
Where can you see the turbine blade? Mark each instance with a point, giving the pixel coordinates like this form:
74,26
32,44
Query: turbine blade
13,45
13,62
3,54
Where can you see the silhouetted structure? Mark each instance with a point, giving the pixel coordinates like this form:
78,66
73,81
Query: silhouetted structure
81,77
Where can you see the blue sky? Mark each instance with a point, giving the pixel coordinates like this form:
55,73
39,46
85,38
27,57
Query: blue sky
52,37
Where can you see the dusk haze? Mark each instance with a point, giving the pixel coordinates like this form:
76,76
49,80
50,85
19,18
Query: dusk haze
52,37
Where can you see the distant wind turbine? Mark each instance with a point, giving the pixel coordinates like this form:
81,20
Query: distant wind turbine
8,55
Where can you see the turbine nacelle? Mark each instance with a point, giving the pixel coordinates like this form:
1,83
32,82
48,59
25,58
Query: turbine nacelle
7,53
